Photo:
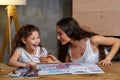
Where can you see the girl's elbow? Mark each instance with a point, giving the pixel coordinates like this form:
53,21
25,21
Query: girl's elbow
11,62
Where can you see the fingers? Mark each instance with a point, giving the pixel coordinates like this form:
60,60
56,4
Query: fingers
105,63
43,60
52,57
31,65
49,59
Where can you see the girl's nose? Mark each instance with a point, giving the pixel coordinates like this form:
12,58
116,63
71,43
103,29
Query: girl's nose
37,40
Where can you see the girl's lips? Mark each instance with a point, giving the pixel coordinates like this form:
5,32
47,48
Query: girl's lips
35,46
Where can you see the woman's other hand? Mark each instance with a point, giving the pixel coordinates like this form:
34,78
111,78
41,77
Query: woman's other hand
49,59
105,62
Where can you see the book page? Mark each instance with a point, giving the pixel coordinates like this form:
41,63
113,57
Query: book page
70,68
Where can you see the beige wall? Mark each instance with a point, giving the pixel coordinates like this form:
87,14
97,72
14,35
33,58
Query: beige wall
102,16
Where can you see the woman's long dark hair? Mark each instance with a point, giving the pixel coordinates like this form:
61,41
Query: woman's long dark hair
75,32
24,32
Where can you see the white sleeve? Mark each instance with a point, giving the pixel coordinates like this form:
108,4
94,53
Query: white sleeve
19,50
44,52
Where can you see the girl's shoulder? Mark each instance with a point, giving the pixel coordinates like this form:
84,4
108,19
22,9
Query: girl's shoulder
42,49
20,49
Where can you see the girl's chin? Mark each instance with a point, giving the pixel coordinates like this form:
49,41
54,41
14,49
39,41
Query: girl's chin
34,48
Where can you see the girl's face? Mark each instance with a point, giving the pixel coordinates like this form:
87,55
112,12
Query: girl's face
32,42
62,36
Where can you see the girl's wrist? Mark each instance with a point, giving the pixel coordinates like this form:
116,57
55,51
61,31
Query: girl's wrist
26,65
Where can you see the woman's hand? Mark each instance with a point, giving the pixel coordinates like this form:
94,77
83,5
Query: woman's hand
43,59
53,59
105,62
49,59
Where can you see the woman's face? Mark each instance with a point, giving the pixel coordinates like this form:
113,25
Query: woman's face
62,36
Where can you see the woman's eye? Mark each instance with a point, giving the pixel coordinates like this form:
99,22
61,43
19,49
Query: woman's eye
38,37
59,33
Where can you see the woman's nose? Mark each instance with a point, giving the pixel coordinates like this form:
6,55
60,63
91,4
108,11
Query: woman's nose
58,37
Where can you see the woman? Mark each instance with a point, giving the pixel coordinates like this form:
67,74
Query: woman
78,45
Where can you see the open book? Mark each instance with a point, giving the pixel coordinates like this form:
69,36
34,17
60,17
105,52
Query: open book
69,68
23,72
51,69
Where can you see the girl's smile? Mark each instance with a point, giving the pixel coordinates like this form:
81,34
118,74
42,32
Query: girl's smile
32,42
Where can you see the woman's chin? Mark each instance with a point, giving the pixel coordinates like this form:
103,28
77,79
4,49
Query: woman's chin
63,43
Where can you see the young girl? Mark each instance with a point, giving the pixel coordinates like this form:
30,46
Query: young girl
78,45
27,48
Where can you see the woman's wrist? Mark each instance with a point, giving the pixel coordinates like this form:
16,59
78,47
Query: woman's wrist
108,58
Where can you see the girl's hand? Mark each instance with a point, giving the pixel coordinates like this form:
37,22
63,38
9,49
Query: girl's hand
31,65
105,62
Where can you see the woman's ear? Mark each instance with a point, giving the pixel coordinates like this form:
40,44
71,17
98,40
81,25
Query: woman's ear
24,40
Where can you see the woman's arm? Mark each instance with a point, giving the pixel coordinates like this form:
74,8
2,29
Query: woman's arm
114,42
49,59
67,59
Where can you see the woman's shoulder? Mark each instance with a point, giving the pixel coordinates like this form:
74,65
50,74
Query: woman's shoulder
96,38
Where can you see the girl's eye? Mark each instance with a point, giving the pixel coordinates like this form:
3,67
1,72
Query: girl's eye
33,38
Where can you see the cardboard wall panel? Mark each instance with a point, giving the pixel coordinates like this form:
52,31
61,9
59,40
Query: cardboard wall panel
101,16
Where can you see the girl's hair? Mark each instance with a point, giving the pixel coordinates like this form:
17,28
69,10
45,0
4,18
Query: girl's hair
24,32
74,31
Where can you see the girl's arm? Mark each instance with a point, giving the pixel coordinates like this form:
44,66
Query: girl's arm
14,60
114,42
